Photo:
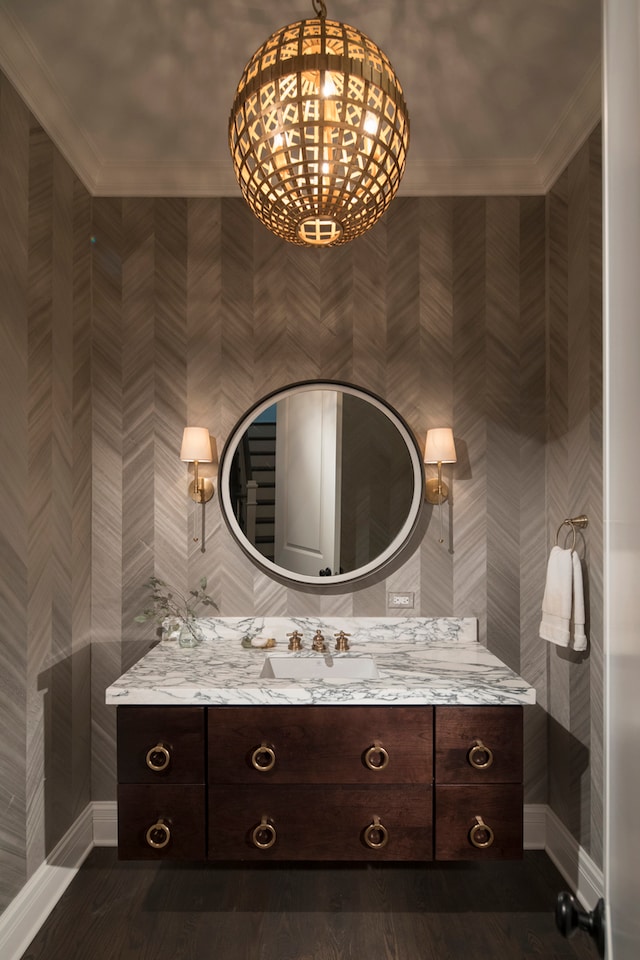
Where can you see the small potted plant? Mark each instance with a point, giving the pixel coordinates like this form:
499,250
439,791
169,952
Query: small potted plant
175,613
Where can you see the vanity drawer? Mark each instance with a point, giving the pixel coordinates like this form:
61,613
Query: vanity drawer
163,744
457,812
320,744
308,823
161,822
478,744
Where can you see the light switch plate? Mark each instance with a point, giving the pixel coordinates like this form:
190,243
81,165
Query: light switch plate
396,600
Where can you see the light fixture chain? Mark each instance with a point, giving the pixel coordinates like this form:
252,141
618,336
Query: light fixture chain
319,8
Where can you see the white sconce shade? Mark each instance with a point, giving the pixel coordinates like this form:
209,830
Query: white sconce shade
196,445
440,446
196,448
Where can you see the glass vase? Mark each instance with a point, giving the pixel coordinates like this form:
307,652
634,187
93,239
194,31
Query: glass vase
190,633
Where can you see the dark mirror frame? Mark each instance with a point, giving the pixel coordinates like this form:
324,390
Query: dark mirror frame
224,485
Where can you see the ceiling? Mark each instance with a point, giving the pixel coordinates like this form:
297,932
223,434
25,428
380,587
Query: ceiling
136,93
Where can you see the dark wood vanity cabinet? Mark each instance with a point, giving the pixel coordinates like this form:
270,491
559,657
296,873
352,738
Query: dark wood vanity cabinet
161,783
320,783
478,783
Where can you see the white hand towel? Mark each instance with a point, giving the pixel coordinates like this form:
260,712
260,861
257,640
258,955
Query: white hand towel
556,603
579,635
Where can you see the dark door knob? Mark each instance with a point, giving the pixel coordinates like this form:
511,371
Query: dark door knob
569,918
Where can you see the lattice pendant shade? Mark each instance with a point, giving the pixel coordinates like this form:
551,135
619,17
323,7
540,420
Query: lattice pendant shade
319,132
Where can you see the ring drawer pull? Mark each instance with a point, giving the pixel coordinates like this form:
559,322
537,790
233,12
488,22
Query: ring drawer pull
158,835
376,757
481,834
158,758
376,835
480,756
264,835
263,758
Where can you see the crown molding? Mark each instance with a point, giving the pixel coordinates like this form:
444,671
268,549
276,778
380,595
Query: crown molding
23,67
470,178
421,179
579,118
158,178
30,76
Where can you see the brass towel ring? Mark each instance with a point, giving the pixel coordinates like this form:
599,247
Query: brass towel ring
582,521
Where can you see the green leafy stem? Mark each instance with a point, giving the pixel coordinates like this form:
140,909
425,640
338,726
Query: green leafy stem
167,604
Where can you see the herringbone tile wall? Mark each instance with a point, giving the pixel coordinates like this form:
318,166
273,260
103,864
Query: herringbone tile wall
124,319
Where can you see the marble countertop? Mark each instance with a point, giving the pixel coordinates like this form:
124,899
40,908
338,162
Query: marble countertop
419,660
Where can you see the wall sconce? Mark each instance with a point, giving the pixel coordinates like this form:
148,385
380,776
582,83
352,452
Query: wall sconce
196,448
439,448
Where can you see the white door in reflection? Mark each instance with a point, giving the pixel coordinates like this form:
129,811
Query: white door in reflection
309,483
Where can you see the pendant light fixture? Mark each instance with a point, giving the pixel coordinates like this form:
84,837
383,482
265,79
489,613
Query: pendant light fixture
319,132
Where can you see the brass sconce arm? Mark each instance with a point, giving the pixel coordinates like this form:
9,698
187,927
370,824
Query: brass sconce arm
196,449
201,488
436,490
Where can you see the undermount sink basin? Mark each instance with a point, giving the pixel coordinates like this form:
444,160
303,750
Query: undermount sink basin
320,667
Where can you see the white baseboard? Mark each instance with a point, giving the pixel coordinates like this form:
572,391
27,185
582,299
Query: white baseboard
535,826
27,912
585,879
97,826
105,823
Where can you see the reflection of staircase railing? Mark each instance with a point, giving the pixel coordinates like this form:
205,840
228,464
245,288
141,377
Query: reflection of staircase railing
240,473
252,510
260,454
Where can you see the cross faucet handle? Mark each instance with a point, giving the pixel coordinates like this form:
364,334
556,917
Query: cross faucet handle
342,644
295,640
318,642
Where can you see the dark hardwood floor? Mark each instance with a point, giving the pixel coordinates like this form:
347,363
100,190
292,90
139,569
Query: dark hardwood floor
451,911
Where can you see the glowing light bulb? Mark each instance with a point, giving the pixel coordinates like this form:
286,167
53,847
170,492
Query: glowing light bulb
329,87
370,124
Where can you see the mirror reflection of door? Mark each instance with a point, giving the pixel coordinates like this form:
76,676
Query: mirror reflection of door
308,482
321,480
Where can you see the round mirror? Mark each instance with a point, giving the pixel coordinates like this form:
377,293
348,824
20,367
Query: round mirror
321,482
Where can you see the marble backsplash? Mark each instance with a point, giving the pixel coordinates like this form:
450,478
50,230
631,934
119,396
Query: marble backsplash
443,630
